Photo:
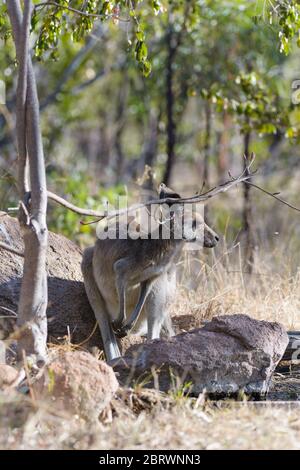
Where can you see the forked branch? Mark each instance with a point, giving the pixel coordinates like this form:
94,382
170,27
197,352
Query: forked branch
203,197
194,199
11,249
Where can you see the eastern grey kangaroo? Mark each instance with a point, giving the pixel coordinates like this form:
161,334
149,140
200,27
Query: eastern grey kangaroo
130,283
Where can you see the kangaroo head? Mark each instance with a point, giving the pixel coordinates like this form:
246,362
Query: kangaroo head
210,237
187,221
165,192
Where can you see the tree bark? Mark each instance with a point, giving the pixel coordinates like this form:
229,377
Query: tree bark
207,143
223,165
173,41
248,222
120,120
207,148
171,126
151,144
32,319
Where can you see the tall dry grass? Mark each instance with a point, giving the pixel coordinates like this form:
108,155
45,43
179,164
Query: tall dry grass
217,282
213,282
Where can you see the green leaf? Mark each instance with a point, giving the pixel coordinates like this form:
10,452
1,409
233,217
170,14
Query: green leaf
141,51
140,36
146,68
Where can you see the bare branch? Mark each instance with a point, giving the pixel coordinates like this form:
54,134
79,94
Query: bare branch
76,62
279,199
73,208
194,199
79,12
198,198
11,249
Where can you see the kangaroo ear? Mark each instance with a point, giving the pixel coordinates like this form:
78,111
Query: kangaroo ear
165,192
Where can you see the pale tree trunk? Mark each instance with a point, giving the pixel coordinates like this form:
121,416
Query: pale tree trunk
32,319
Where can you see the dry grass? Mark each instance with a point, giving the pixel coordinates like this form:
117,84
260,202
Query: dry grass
223,286
157,423
143,419
192,429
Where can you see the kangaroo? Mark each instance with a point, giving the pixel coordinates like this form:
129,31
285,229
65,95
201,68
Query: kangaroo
130,283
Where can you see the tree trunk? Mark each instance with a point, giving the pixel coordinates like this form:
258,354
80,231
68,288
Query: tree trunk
173,41
103,157
207,143
207,149
149,153
32,319
120,120
171,126
248,222
223,165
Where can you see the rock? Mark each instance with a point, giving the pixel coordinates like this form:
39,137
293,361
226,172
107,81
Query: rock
8,375
186,322
76,381
229,354
68,307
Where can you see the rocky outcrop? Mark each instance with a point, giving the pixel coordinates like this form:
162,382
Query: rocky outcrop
77,382
68,307
8,375
229,354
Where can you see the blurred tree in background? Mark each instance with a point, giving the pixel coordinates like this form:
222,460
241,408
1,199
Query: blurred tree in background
167,91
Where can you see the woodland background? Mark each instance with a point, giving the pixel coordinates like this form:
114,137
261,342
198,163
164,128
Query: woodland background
188,89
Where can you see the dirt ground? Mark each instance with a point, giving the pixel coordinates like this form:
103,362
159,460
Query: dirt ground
146,419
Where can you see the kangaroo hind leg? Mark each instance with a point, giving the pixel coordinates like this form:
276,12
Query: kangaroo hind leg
98,305
125,328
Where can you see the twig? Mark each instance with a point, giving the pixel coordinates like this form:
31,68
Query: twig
81,13
75,63
19,379
279,199
71,207
89,337
11,249
194,199
27,374
14,314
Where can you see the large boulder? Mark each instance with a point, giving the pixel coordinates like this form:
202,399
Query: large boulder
69,312
229,354
77,382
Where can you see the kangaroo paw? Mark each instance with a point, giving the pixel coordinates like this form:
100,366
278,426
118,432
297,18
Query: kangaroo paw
121,331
